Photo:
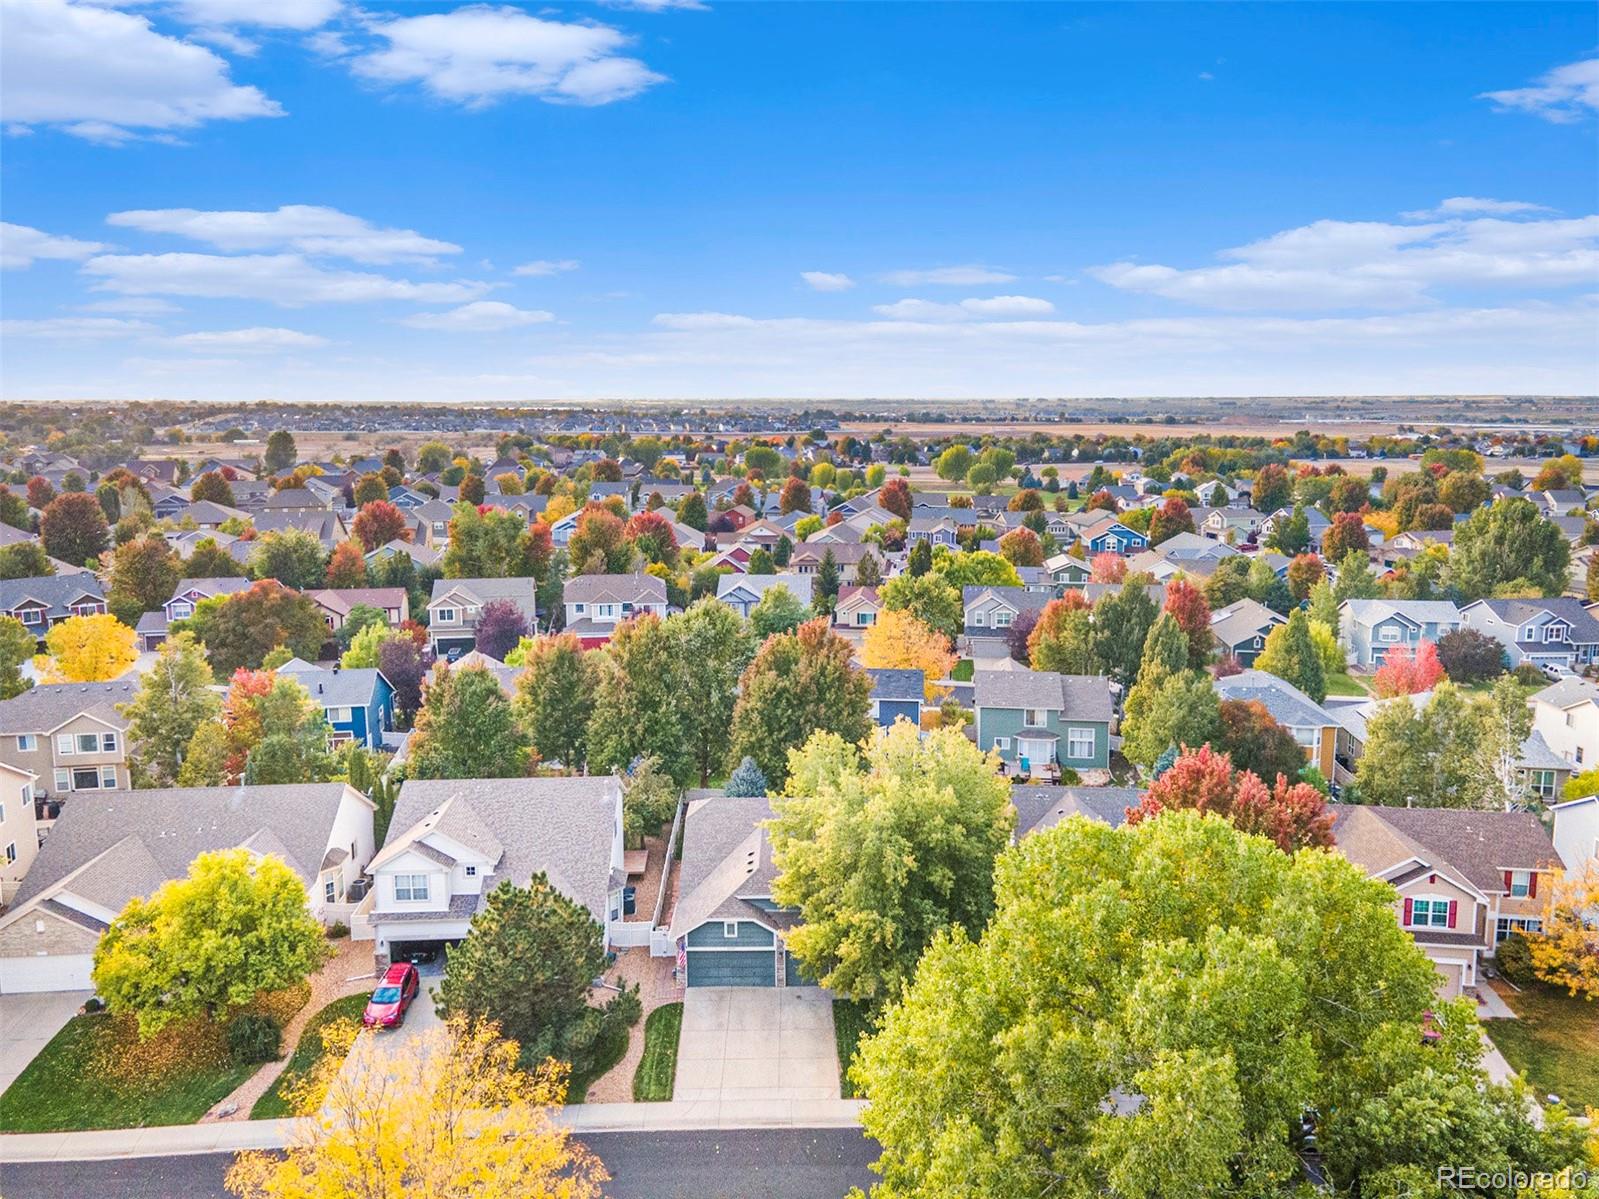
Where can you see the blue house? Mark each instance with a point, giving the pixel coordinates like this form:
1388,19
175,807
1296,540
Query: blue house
1042,722
1111,536
359,703
897,693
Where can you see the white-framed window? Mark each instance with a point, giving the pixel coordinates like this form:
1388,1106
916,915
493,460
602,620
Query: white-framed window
1520,884
730,928
979,620
1388,633
65,745
330,889
1034,718
63,780
27,743
1305,736
1002,743
605,611
180,610
1079,743
108,743
88,743
471,872
27,795
339,715
2,813
1429,913
31,616
1578,752
1505,925
448,615
1554,632
580,608
865,618
1542,783
11,853
409,888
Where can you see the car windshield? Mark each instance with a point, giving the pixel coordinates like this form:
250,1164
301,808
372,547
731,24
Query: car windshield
386,994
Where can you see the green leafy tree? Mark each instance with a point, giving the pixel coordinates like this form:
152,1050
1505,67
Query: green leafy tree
599,544
528,964
712,646
881,852
1291,536
555,698
1509,545
210,561
293,557
1228,986
1062,639
293,741
205,758
209,943
827,580
1415,756
73,528
1248,734
777,611
953,463
761,562
492,544
432,457
637,704
1355,578
239,630
174,699
976,568
467,729
1121,624
25,560
1168,709
920,560
17,647
930,598
281,452
1291,655
213,486
797,684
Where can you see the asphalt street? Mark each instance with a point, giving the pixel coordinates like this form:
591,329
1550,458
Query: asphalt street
768,1163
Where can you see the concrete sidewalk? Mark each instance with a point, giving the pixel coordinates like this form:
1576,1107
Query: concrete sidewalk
183,1139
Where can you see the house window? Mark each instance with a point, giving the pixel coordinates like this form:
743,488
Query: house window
1034,718
65,745
1002,743
1578,752
11,853
1520,884
108,743
1543,783
979,620
579,608
448,615
330,889
1306,737
865,618
1429,913
63,780
339,715
1506,925
605,611
27,797
88,743
1079,743
410,887
1002,619
471,872
1554,632
179,610
27,743
730,928
90,779
33,616
3,813
1388,633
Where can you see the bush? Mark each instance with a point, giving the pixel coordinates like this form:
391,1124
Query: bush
1469,656
254,1038
1513,959
1529,675
338,930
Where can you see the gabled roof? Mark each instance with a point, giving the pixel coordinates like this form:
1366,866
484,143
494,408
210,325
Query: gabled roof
1569,692
1018,598
799,586
46,707
1477,846
897,685
637,588
1078,696
353,687
1416,612
520,591
345,599
1241,620
1039,808
1287,704
55,592
1584,628
727,860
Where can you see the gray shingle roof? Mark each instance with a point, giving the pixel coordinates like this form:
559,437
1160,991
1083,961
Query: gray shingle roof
638,588
1584,628
1079,696
50,705
726,859
56,592
1480,846
893,684
1040,808
352,687
521,592
1287,704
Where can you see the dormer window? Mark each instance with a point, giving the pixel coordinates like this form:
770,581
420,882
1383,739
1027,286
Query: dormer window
471,872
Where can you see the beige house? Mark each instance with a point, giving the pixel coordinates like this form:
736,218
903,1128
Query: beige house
19,830
69,735
1465,880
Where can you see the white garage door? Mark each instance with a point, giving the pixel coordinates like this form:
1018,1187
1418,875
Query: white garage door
65,972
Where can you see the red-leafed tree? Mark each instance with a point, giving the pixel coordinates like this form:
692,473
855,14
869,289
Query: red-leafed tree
1021,547
651,534
347,565
538,547
1304,572
40,492
1170,519
599,545
1404,672
500,627
1191,610
1107,567
895,496
1292,815
1348,532
795,497
379,523
1103,501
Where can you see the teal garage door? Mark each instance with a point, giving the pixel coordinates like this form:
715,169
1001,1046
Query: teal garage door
730,968
794,973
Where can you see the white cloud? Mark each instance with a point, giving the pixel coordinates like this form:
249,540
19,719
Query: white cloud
21,246
76,328
285,279
826,281
483,316
657,5
278,14
1009,306
951,276
257,339
920,310
1563,95
107,76
1373,264
132,306
544,267
306,228
226,39
994,306
1474,206
480,53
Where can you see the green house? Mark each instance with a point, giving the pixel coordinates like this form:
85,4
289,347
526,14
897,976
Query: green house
1034,718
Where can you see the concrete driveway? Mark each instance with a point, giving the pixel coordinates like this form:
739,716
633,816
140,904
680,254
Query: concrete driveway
743,1044
27,1022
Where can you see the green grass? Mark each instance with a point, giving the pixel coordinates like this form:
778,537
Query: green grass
657,1070
963,670
66,1089
1555,1043
275,1103
851,1022
606,1054
1344,684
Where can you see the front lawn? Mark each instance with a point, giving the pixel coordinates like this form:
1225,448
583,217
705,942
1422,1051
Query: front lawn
657,1069
606,1054
275,1103
1344,683
963,670
851,1022
68,1086
1555,1043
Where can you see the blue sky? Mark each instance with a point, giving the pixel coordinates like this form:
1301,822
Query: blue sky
459,202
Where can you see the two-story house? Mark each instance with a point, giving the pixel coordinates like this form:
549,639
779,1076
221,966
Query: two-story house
336,604
1554,634
19,827
935,530
1369,628
1108,535
990,611
596,604
1566,716
1037,720
1240,629
455,605
857,607
152,627
70,736
431,524
452,841
1065,571
112,847
43,602
741,592
1464,879
1576,832
1313,726
357,701
808,557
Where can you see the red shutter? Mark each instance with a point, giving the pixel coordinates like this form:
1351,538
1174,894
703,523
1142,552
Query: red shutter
1452,905
1532,887
1407,909
1508,873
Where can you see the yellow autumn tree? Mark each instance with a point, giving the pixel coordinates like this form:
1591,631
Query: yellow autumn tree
1566,952
87,649
446,1114
898,641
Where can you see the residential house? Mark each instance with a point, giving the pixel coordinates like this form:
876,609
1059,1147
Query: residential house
990,612
1318,523
326,526
935,530
1552,634
1369,628
336,604
70,736
808,556
19,827
109,848
897,695
596,604
1229,524
1313,726
1108,535
1040,807
420,555
456,603
43,602
1037,720
1240,629
856,607
453,841
1065,571
741,592
357,701
432,523
186,597
1576,832
1466,879
1566,716
728,929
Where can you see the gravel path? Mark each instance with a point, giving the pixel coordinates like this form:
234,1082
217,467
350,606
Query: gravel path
655,987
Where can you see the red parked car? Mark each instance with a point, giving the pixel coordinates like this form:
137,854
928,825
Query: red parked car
386,1008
